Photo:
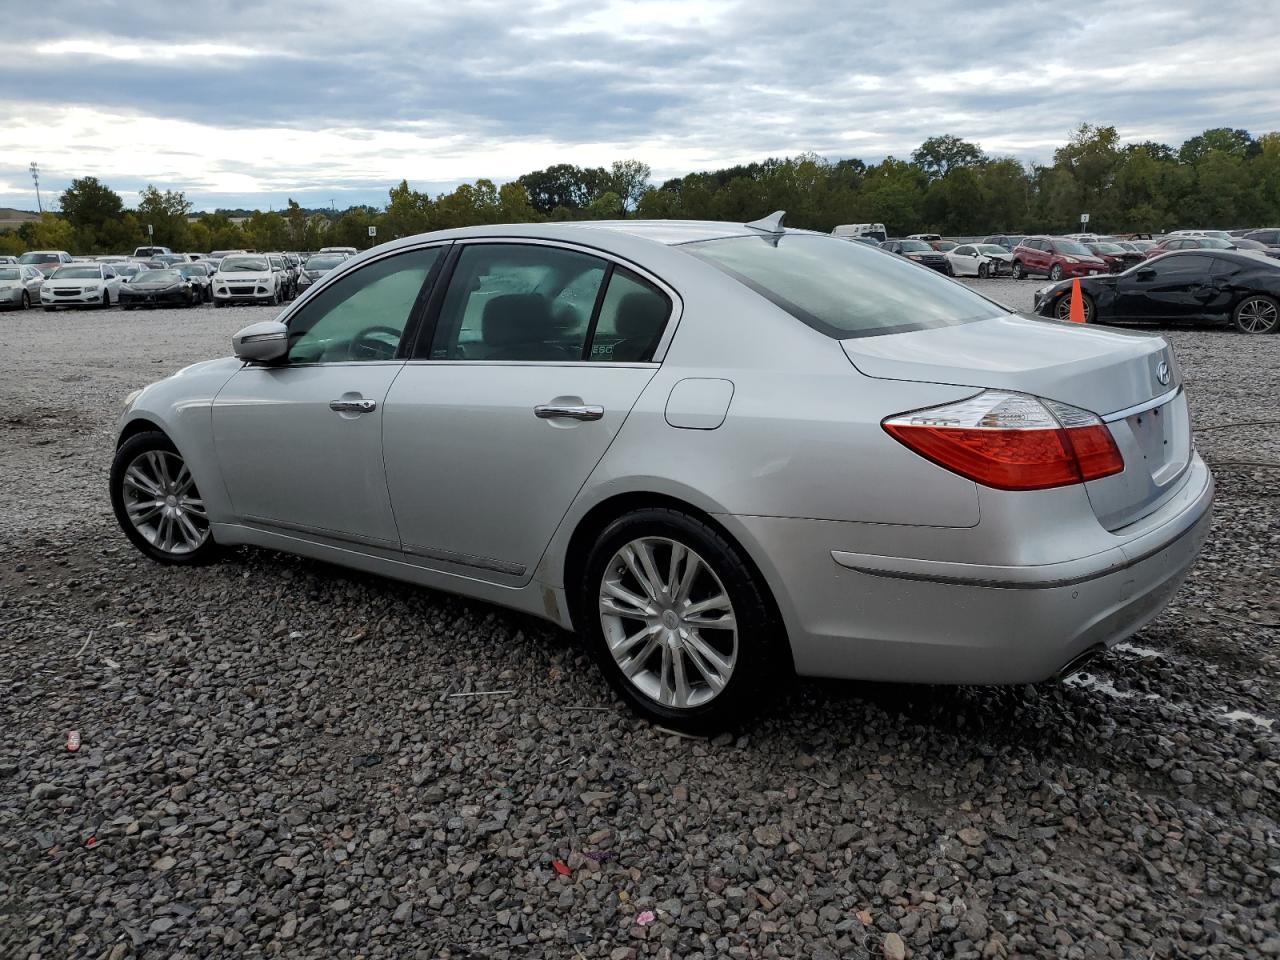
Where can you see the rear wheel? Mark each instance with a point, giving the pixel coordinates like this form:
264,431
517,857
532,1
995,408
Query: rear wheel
157,503
678,621
1018,273
1257,314
26,300
1055,272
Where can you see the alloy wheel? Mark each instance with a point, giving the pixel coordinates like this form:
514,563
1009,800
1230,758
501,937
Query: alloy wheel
668,622
163,504
1258,315
1062,310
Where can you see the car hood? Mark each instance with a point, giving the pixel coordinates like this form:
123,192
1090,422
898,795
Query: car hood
1101,370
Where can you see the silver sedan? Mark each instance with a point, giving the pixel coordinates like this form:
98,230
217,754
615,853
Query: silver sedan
721,452
19,286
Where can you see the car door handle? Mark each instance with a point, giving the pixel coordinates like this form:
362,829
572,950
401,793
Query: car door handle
552,411
353,406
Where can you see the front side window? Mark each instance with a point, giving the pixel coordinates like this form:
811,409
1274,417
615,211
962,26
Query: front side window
963,251
1174,267
521,302
841,289
363,316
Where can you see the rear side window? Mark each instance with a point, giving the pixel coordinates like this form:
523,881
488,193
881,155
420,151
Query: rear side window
843,290
632,318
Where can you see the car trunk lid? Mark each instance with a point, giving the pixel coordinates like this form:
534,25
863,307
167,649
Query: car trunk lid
1131,380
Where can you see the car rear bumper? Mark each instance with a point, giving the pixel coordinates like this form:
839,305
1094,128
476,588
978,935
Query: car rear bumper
902,619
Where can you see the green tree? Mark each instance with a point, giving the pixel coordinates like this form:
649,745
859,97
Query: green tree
267,231
564,185
628,179
90,203
50,232
1223,139
939,155
167,213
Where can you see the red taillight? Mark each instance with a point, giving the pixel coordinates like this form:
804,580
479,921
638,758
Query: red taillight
1011,441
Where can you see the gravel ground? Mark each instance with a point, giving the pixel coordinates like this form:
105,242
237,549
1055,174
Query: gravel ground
276,763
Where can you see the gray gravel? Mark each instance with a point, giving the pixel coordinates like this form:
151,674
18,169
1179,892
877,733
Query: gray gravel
274,763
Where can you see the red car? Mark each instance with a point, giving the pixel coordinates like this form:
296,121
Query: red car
1188,243
1055,258
1118,258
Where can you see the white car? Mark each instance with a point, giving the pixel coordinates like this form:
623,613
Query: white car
980,260
349,251
246,278
19,285
80,285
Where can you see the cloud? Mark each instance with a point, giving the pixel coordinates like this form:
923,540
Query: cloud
264,100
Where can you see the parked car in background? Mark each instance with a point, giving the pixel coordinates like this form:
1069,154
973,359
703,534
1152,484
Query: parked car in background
979,260
80,285
317,266
156,288
1117,258
284,275
1200,286
919,252
1269,237
1136,246
46,261
170,259
582,432
219,254
1006,240
8,259
1055,258
246,278
856,231
926,237
943,246
1216,234
19,286
127,269
201,276
1253,247
148,252
349,251
1186,241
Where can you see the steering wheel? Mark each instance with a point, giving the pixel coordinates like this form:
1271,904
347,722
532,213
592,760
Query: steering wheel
363,347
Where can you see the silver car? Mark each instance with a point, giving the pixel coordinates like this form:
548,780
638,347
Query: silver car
721,452
19,286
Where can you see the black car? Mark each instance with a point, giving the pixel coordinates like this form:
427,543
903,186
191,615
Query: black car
919,252
201,276
1193,286
155,288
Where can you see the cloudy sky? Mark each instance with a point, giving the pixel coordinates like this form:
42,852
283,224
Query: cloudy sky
246,104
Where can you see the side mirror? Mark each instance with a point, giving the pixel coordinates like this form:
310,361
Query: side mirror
261,342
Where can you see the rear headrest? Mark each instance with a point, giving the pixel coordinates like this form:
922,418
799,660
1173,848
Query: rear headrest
514,318
640,315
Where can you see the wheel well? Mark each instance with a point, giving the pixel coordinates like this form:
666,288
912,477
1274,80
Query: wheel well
604,513
135,427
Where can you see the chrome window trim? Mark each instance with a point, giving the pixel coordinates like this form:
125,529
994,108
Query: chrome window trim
672,321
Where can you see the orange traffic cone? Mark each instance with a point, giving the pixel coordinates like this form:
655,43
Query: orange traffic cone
1077,303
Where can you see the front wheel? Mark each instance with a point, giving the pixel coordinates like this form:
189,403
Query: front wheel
157,503
982,271
1257,314
26,300
106,299
1062,309
1018,272
678,621
1055,274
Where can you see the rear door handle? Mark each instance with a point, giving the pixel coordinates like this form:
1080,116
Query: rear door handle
353,406
553,411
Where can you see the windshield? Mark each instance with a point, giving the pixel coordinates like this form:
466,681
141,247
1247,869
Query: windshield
38,258
326,262
1071,247
1106,248
158,276
843,289
244,265
9,273
77,273
991,249
192,270
1213,243
915,246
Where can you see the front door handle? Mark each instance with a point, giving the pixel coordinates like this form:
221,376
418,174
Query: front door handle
353,406
553,411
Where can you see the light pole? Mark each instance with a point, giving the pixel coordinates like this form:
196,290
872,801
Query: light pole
35,178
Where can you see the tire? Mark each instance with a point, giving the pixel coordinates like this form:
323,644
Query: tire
1256,314
1055,272
106,299
750,656
49,309
126,306
173,531
1018,272
26,300
1062,309
219,304
982,271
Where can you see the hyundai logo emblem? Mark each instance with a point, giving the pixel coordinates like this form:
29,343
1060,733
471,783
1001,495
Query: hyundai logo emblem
1162,372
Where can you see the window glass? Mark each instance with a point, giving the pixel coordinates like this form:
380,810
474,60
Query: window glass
363,315
511,301
632,318
963,251
1183,263
843,289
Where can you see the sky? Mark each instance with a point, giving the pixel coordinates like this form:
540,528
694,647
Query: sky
246,104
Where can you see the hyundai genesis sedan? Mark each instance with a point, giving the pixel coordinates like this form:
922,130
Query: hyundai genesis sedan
721,452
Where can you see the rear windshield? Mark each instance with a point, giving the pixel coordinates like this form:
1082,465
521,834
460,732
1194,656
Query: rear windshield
8,273
843,289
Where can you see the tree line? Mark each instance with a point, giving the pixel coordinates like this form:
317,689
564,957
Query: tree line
1219,178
